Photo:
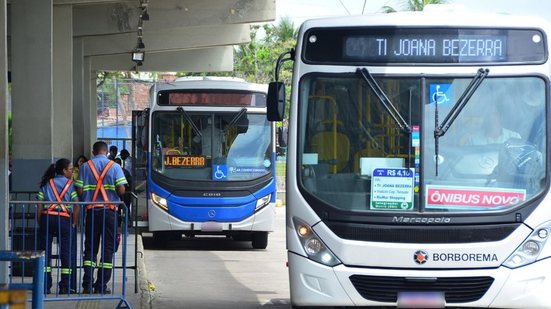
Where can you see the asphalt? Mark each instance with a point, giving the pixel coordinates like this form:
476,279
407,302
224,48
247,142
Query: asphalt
135,299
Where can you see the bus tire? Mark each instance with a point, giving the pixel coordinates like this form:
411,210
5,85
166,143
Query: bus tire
260,240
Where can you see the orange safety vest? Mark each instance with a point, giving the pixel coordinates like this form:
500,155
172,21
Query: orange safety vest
100,187
51,210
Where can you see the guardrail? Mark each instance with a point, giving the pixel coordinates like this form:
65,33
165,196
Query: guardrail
25,234
37,285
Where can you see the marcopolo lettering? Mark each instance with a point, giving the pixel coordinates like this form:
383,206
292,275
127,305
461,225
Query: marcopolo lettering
425,220
464,257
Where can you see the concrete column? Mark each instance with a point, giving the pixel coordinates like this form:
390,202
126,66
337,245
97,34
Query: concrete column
78,98
31,40
89,105
4,196
63,82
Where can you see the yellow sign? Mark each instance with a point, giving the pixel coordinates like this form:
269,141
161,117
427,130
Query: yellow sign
185,161
14,298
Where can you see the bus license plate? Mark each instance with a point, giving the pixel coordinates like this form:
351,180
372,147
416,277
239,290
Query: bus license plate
211,227
421,300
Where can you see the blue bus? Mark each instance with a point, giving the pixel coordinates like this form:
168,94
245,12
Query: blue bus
206,154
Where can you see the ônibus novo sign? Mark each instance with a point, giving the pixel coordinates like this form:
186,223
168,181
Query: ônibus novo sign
472,197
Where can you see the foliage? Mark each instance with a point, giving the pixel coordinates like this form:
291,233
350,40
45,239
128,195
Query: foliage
256,61
412,5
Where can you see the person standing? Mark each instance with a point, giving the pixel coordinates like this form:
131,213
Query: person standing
100,180
127,160
58,220
78,163
113,150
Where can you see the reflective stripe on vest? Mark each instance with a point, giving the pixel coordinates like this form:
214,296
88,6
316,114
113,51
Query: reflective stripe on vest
59,198
100,187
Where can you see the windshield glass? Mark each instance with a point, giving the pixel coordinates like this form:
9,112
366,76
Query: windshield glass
354,156
217,146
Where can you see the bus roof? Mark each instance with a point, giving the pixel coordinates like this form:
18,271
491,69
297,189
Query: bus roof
210,82
432,17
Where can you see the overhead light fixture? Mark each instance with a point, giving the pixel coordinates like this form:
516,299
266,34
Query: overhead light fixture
138,56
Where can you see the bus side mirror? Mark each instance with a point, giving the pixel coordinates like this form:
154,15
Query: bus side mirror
276,101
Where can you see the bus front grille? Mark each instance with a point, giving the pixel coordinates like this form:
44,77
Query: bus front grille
456,289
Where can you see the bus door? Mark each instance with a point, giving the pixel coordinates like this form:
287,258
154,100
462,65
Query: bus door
140,144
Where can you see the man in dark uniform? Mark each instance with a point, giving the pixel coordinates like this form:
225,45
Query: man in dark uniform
100,181
113,150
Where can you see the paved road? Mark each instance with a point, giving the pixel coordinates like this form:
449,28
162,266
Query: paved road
215,272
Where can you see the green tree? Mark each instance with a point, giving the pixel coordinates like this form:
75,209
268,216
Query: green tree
412,5
256,61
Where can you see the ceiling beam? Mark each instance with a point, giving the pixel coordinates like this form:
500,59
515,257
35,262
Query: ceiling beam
77,2
114,18
173,39
196,60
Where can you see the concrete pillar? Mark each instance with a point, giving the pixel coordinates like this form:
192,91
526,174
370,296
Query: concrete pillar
4,196
31,42
78,98
89,105
63,82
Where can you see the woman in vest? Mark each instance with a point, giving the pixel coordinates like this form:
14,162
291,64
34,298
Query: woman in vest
58,220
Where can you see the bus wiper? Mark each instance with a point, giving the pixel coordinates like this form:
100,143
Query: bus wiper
237,117
390,108
188,119
440,130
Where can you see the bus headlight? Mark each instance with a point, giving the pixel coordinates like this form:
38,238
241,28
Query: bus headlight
159,201
313,246
529,251
261,202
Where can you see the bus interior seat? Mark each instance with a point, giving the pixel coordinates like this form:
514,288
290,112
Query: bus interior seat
332,148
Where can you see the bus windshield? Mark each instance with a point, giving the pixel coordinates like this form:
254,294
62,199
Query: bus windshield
211,146
355,156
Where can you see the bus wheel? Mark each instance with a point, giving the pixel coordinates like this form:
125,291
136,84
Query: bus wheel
260,240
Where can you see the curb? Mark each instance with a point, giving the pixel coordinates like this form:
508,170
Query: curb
144,285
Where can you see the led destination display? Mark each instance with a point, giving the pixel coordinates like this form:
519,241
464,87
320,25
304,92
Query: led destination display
468,48
384,45
184,161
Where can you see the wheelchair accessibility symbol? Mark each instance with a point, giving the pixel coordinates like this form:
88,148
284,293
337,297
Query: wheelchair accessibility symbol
219,172
440,93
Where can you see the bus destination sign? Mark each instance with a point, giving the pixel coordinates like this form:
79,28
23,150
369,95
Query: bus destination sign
466,48
411,46
184,161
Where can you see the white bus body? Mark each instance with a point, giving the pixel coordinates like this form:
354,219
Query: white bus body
383,216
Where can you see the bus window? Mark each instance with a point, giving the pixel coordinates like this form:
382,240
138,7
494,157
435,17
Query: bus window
235,145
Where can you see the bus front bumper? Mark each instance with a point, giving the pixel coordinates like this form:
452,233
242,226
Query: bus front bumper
313,284
262,220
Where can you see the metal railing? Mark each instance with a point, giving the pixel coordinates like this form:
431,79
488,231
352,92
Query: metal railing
26,234
37,285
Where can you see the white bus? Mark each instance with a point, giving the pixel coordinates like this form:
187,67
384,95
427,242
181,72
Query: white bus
417,172
209,156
